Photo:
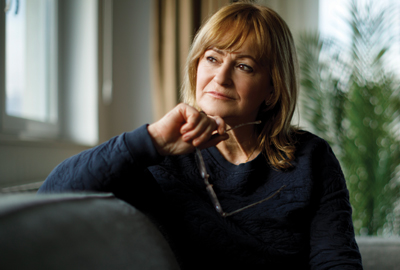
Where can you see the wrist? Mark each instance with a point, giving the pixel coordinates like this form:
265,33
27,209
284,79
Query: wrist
156,138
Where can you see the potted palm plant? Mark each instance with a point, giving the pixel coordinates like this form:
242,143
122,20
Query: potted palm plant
352,99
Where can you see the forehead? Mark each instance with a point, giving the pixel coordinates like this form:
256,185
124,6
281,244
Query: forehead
240,44
245,50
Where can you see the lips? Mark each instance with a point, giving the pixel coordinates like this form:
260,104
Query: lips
218,95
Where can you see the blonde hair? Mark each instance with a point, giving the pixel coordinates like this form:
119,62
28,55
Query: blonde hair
227,30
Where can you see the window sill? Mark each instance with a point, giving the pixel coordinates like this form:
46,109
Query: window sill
25,188
23,140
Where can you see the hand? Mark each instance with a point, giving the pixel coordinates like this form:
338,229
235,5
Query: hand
184,128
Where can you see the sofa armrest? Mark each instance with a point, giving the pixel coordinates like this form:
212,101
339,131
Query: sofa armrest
78,231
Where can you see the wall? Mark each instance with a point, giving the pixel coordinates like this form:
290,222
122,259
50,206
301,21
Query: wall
301,16
131,99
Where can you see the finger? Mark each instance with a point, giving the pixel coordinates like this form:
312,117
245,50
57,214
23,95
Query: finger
202,127
211,135
203,131
192,118
214,140
221,124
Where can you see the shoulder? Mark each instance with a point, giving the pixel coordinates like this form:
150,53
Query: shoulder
317,155
308,143
306,138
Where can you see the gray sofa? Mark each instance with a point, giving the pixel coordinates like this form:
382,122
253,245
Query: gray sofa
380,253
78,231
98,231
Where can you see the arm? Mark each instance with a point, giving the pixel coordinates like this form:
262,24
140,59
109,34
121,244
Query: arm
126,157
95,169
332,241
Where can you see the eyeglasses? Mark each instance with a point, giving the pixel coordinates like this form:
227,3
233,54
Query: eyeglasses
210,190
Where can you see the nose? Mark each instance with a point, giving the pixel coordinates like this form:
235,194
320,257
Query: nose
223,75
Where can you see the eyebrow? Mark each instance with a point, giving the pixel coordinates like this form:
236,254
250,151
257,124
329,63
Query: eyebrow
240,56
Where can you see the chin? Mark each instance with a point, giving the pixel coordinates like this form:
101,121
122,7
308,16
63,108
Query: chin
212,111
215,108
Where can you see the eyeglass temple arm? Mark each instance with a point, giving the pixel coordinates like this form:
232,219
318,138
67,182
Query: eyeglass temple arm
213,197
253,204
209,187
244,124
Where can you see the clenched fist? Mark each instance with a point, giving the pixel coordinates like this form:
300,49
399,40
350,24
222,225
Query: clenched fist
184,128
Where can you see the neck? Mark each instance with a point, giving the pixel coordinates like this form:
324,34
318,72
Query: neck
241,146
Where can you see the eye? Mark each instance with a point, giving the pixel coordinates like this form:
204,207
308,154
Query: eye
211,59
245,68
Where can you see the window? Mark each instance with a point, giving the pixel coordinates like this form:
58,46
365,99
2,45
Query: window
333,23
61,118
358,72
49,70
30,100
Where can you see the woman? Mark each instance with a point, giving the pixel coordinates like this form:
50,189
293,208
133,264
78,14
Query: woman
292,201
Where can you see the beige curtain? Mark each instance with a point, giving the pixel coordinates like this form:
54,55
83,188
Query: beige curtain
175,24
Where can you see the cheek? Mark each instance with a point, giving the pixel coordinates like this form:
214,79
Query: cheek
201,78
264,87
256,94
251,88
199,83
198,94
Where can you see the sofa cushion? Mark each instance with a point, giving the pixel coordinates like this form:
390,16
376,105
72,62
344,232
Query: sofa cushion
78,231
380,253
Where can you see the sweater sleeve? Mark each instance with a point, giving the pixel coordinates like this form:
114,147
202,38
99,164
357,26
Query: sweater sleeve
332,238
107,167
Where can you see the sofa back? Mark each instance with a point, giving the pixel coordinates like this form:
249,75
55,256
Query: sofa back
78,231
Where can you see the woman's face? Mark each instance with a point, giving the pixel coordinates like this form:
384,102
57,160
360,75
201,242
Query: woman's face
232,85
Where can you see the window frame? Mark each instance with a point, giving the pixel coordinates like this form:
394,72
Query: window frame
23,128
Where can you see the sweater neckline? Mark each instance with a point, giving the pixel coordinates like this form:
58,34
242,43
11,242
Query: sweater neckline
219,159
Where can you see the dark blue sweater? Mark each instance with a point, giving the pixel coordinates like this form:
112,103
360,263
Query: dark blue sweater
307,225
